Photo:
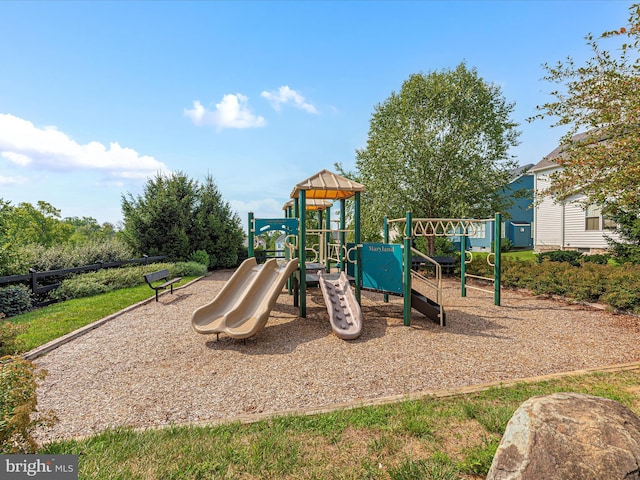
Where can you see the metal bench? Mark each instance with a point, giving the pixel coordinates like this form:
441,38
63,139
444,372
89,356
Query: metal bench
448,264
160,276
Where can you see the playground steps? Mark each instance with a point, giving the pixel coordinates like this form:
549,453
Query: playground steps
428,308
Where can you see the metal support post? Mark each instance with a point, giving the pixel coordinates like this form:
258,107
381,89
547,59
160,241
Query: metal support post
407,272
251,237
302,253
497,237
463,262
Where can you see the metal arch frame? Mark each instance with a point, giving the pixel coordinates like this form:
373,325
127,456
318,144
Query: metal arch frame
452,227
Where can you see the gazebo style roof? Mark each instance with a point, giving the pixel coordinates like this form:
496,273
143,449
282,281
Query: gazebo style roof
326,185
313,204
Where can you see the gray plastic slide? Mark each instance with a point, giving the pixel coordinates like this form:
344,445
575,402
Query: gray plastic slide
241,309
345,314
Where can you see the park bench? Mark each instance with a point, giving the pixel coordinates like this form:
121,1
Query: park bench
448,264
160,276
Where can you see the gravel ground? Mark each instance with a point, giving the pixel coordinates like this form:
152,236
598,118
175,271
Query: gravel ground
148,367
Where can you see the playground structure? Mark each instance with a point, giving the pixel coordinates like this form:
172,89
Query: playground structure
242,307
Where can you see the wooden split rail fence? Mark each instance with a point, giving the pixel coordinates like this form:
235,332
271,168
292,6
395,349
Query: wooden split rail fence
34,278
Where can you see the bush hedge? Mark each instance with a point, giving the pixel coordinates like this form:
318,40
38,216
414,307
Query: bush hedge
14,300
8,333
102,281
19,415
616,286
66,255
200,256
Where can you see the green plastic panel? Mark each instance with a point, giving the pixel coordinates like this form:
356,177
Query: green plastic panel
288,225
382,267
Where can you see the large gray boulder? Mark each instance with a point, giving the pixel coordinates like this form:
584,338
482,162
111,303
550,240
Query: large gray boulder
567,436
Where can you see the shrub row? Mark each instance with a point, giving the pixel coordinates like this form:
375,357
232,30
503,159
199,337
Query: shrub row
103,281
17,299
616,286
67,255
573,257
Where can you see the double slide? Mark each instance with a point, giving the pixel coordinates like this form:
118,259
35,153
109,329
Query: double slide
241,309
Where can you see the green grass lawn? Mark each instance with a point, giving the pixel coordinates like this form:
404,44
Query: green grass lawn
431,438
51,322
514,255
520,255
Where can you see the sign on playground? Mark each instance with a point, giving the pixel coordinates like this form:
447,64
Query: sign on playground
382,267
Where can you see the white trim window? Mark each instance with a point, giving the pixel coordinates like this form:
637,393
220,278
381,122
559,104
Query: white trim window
480,231
595,220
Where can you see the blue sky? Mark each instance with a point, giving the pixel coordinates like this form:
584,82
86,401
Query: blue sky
96,97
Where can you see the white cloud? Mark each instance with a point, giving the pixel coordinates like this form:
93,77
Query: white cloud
263,208
26,145
12,180
285,95
232,112
17,158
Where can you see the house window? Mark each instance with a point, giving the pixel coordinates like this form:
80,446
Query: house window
594,220
478,231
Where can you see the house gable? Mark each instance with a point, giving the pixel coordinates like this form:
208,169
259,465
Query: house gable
562,224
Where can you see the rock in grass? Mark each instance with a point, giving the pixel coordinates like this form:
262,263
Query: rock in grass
567,436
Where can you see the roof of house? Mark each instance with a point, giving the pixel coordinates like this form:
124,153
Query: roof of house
519,171
551,160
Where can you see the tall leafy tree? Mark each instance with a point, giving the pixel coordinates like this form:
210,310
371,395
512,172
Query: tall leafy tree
176,216
5,243
40,224
159,221
87,229
217,228
439,148
599,102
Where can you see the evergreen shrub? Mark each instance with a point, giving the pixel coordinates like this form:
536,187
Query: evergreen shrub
569,256
15,299
188,269
623,288
200,256
599,258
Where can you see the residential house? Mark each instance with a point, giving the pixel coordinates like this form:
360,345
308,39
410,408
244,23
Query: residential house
565,224
516,220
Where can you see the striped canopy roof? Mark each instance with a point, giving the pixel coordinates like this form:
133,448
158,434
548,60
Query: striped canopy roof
326,185
312,204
